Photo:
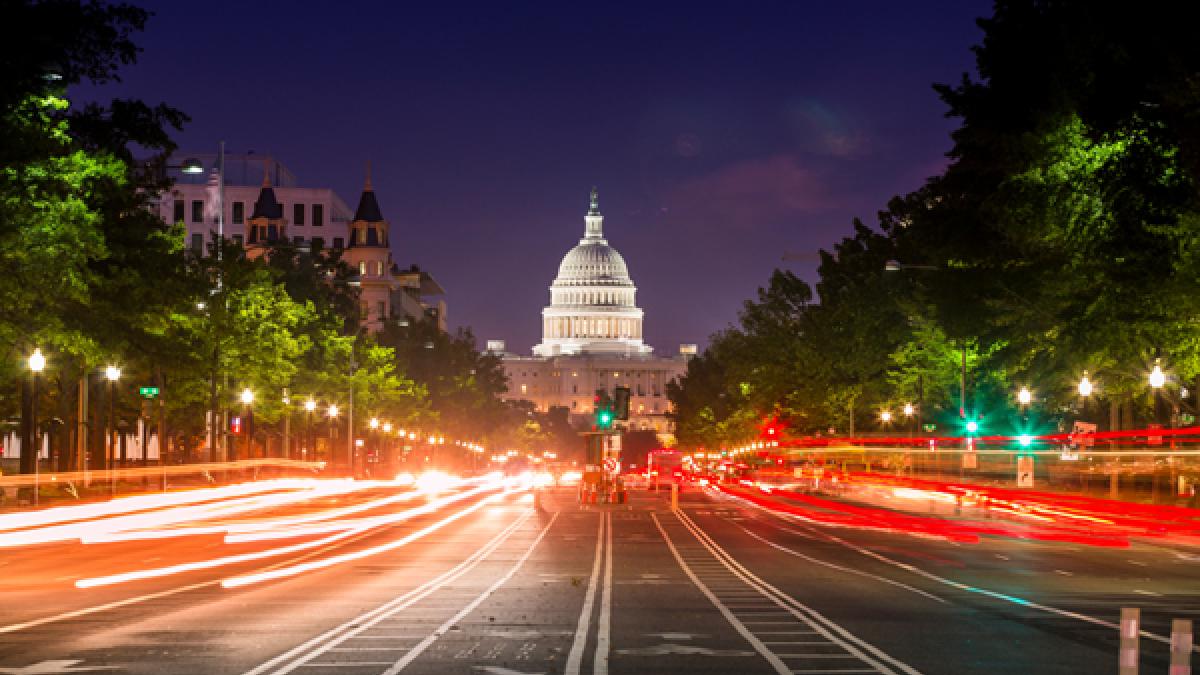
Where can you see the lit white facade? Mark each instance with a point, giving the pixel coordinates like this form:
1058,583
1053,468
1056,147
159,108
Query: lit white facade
592,340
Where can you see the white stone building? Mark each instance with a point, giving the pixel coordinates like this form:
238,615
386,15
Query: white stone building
592,339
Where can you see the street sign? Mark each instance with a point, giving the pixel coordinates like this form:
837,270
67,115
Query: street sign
148,392
1025,471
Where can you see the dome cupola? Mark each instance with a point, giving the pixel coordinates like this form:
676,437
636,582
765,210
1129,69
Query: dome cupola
592,306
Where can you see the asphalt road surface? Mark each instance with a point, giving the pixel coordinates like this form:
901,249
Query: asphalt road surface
719,586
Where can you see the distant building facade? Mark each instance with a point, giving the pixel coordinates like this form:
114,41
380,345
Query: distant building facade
592,340
264,205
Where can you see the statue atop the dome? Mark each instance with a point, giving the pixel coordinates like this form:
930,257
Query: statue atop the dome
594,206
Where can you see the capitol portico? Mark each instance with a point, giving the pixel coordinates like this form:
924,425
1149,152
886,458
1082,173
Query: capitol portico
592,339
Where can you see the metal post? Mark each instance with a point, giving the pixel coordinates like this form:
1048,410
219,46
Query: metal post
674,496
37,445
1181,647
287,417
1127,663
81,433
110,451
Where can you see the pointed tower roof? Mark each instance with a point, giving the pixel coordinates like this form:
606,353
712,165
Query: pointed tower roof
368,206
267,206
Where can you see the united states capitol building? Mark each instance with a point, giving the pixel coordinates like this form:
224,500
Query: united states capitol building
592,339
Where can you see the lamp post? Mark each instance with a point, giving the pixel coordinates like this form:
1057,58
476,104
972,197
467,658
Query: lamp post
1085,392
372,441
111,374
309,406
1157,380
332,412
37,363
247,398
386,457
287,418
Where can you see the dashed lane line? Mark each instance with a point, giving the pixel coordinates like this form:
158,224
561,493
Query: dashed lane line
300,654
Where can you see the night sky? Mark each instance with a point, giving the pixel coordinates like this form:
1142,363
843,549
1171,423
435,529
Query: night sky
720,135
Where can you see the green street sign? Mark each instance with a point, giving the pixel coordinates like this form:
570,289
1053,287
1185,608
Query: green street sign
148,392
930,428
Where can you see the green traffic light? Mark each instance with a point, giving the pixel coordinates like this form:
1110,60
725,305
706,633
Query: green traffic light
972,426
604,418
1025,440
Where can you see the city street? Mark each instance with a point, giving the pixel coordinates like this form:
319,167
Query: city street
485,581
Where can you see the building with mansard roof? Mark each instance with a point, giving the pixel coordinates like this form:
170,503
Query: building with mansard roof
265,205
592,340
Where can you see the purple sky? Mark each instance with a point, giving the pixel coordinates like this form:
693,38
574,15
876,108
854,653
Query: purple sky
720,135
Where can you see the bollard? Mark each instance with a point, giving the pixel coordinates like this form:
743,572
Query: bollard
1127,663
1181,647
537,499
674,496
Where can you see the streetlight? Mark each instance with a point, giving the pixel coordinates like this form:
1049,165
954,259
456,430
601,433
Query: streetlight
309,406
112,374
909,410
37,363
1157,378
1085,386
247,398
1024,397
885,416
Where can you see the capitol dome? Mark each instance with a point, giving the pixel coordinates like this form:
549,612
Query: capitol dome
593,261
592,307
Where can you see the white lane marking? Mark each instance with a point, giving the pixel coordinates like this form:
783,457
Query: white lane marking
1151,593
350,630
1138,563
347,664
1003,557
776,663
441,630
844,638
975,589
604,624
1064,573
848,570
575,656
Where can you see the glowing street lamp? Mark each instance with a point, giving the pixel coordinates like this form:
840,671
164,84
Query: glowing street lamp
332,411
310,405
1085,385
885,416
1025,397
247,396
387,427
1157,378
909,410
